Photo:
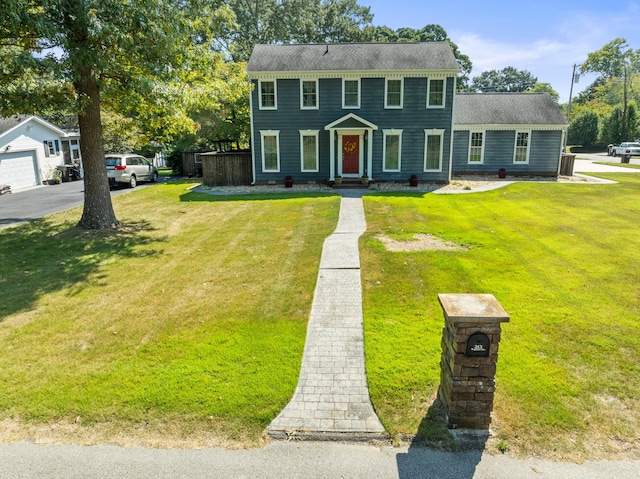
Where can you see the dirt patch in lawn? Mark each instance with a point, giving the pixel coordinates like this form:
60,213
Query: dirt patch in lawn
421,242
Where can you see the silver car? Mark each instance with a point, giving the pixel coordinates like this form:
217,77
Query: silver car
129,169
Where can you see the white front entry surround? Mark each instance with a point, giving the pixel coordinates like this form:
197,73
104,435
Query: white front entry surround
350,124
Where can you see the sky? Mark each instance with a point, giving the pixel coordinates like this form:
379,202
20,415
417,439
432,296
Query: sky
544,37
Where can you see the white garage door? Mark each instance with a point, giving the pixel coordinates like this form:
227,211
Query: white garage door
18,170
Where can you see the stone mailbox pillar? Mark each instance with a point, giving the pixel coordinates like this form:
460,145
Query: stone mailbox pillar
470,340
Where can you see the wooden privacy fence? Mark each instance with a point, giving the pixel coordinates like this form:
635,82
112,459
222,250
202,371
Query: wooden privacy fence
232,168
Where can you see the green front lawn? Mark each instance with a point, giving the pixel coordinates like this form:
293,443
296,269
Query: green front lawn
187,326
191,319
564,261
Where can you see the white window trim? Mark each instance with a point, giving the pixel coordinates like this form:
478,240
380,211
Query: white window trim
515,147
384,149
263,134
275,95
444,92
357,107
386,94
433,132
313,133
484,142
317,105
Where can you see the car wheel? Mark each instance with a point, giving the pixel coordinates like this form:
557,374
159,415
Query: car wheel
133,182
154,177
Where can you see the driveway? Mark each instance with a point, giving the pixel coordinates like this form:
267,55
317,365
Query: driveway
587,163
39,201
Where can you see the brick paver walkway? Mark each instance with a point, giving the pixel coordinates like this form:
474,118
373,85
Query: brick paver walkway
332,398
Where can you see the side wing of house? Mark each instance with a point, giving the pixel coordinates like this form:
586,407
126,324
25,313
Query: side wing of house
522,133
383,121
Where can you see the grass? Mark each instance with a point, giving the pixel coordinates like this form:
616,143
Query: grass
564,261
623,165
191,319
186,327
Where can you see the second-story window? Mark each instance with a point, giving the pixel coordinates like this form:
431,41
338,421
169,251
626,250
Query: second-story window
351,94
435,93
393,93
309,94
268,95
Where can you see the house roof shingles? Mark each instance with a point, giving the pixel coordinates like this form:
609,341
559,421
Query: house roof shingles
507,109
334,57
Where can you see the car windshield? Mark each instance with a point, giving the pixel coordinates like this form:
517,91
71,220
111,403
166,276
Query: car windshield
112,160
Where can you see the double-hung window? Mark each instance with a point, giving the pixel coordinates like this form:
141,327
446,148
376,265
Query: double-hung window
392,150
393,93
309,94
350,93
433,144
51,148
521,154
435,93
309,150
270,142
268,95
476,147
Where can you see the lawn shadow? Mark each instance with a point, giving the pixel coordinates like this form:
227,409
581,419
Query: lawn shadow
435,452
40,257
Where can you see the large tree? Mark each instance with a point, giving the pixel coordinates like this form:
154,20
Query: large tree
615,60
293,21
508,79
86,51
428,33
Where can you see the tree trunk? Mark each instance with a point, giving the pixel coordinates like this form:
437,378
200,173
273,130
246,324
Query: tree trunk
98,211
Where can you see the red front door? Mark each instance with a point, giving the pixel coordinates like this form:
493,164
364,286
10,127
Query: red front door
350,154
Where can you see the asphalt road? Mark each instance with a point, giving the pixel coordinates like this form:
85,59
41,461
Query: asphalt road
311,460
39,201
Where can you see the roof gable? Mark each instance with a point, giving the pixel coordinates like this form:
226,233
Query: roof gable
8,124
507,109
351,122
356,57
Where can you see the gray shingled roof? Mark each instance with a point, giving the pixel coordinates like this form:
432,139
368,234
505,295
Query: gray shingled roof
335,57
507,109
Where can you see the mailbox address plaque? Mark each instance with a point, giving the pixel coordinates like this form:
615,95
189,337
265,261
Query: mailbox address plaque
478,345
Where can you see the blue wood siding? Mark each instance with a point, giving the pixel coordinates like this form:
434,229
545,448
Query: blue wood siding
413,119
544,153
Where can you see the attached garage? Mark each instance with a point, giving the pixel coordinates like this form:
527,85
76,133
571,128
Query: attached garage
19,169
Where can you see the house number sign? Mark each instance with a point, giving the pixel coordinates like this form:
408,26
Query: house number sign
478,345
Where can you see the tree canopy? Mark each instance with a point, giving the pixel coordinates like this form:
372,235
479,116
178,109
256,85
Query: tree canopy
508,79
137,57
428,33
292,21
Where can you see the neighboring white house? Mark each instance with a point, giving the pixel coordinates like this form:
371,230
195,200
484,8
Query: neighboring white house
31,148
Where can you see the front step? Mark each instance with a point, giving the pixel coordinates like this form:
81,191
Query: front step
350,184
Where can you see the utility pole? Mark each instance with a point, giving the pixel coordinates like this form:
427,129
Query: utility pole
574,79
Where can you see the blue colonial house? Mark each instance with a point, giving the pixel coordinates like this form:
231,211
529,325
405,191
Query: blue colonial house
388,111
